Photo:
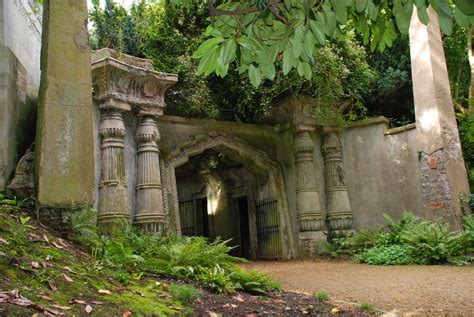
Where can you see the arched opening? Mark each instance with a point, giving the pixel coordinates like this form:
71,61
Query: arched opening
223,187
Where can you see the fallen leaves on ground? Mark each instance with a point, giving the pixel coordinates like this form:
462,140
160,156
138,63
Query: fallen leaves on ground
88,309
104,292
68,279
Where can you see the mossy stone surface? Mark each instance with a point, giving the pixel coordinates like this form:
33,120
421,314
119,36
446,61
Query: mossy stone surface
64,152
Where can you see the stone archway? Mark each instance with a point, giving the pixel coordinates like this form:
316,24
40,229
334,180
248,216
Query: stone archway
255,160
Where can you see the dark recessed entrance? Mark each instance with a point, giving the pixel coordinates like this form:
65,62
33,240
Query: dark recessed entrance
242,205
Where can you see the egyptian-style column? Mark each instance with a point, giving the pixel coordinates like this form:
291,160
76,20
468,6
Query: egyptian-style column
339,213
149,213
443,174
309,212
113,202
124,83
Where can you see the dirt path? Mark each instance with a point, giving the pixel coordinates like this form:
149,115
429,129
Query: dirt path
434,289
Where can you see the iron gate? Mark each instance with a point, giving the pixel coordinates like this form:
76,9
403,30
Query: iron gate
268,229
187,217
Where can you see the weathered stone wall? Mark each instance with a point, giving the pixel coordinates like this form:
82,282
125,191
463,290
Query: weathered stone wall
20,43
382,174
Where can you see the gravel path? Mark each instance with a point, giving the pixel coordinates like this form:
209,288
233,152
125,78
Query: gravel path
437,290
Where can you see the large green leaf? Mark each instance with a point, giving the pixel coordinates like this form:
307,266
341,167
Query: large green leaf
421,11
307,71
208,62
461,19
317,27
330,23
254,75
402,16
268,71
309,43
361,5
297,44
287,60
207,46
466,6
229,51
340,10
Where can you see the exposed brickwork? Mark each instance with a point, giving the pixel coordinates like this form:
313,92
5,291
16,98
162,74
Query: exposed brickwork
57,218
434,181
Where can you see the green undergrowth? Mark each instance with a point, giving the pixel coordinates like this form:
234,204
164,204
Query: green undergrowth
125,271
131,253
410,240
55,274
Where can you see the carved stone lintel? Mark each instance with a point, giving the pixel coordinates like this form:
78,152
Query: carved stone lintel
113,201
339,213
149,193
309,212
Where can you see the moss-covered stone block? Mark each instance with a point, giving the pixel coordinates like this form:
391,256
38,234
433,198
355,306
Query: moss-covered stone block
64,156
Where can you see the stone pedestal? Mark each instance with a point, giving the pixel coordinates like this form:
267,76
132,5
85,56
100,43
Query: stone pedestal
149,214
64,163
113,202
339,214
309,243
442,168
309,212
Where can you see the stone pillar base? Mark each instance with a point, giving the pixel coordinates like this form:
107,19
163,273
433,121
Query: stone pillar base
310,222
150,223
308,243
110,222
337,221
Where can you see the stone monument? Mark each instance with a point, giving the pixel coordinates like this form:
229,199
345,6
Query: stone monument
126,84
64,162
442,168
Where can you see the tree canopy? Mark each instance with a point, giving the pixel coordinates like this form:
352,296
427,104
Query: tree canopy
260,36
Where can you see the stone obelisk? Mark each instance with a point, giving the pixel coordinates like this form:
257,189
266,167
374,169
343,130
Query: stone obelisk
64,151
443,173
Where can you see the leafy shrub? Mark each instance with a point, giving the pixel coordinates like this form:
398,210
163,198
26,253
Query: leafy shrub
129,251
362,240
415,241
254,281
184,293
386,255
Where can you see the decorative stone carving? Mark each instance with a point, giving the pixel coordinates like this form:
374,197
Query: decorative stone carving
149,212
309,212
128,81
339,213
113,202
22,185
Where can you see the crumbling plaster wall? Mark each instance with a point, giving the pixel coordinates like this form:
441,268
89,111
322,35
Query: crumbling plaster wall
20,43
382,174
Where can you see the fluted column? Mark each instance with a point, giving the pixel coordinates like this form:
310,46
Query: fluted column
113,201
309,212
339,213
149,196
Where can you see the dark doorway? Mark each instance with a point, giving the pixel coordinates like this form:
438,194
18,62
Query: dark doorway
243,208
202,218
